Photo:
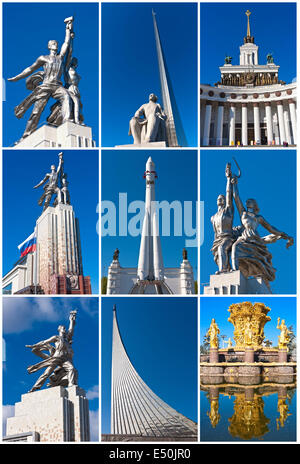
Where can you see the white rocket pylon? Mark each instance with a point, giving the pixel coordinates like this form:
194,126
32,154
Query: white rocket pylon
150,265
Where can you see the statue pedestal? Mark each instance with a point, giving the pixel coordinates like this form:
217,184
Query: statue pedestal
234,283
249,355
282,355
67,135
55,414
213,355
59,263
144,145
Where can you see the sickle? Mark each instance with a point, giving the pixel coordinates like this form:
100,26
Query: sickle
239,170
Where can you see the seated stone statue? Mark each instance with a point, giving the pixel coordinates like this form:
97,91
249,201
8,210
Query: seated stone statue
149,123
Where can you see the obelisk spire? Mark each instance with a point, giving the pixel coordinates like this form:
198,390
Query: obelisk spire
171,130
135,408
150,265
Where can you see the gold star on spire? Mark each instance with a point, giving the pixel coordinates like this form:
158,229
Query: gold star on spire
248,13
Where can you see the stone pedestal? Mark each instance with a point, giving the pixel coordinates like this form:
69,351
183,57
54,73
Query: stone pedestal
234,283
213,355
56,414
282,355
144,145
67,135
59,262
249,355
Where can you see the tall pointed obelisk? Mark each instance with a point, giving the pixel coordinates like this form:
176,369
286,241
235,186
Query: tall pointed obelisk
150,265
136,411
167,105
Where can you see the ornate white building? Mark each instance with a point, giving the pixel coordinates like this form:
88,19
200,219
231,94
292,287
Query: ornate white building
249,105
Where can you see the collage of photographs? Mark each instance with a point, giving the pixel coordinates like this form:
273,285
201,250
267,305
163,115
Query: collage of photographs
149,280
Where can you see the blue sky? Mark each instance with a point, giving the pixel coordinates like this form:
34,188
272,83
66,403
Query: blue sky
160,336
130,69
269,176
27,28
24,169
123,171
223,27
283,307
29,320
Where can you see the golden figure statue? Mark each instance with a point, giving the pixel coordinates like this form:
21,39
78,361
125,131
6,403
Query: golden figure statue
213,414
248,333
229,343
284,337
283,409
213,332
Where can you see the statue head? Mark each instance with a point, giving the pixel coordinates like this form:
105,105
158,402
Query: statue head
53,45
252,204
61,329
153,97
221,201
53,168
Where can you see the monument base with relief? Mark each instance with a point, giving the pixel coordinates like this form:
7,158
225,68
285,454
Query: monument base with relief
57,414
67,135
234,283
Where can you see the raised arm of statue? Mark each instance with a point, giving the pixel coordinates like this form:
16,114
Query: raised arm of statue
61,161
229,187
27,71
72,319
236,196
65,45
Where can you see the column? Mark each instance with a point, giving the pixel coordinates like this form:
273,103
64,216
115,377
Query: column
269,123
281,122
287,125
256,124
232,124
219,139
244,124
292,107
207,124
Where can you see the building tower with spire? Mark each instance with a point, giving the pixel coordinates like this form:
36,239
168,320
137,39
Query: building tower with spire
150,276
249,105
137,413
53,263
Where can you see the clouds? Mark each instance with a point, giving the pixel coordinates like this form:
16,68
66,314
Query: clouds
93,393
21,314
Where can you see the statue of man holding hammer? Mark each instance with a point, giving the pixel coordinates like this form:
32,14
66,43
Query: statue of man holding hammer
50,86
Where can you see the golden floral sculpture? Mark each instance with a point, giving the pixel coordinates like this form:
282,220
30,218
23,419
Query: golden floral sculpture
249,321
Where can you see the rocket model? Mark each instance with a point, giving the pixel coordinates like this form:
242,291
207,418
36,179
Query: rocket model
150,265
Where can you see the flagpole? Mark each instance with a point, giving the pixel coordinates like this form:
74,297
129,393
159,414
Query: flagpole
36,260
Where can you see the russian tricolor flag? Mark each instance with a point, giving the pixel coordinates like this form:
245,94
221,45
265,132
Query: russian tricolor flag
29,245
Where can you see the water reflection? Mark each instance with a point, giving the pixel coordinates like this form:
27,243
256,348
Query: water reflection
235,412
